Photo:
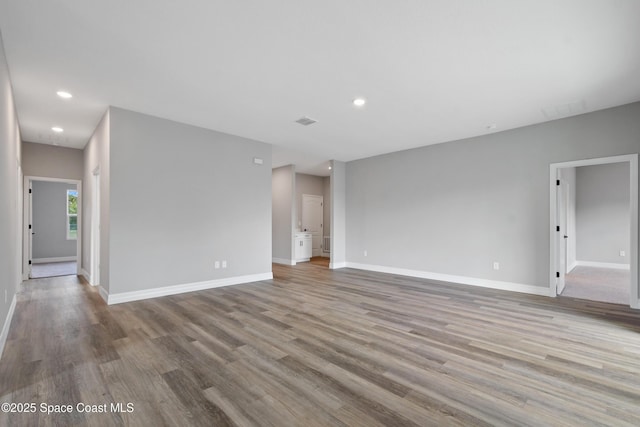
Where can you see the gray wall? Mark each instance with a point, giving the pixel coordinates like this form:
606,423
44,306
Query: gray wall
49,210
181,198
283,207
602,213
51,161
306,184
457,207
96,157
10,223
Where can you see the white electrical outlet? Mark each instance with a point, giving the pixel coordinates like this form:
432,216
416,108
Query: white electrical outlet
496,265
217,264
623,253
365,253
224,264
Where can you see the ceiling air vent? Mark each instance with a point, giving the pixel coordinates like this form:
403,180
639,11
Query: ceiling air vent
565,110
306,121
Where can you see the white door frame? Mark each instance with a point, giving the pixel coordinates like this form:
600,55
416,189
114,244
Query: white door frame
20,216
26,231
95,229
555,237
26,235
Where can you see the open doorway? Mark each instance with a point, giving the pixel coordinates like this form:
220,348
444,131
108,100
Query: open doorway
313,219
52,227
301,217
594,229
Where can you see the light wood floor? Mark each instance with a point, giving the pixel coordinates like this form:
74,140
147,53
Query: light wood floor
320,261
320,347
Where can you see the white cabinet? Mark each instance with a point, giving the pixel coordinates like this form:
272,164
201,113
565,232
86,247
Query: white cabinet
304,243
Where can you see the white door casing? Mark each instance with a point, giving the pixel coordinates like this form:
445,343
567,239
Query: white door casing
95,229
28,216
555,238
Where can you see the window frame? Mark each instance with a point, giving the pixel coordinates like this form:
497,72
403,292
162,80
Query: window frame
71,215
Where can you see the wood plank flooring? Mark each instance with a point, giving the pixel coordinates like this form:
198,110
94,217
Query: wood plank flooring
316,347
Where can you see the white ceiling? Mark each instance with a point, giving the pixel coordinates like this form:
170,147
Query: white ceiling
432,71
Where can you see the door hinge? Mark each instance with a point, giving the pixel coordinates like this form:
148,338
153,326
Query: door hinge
557,274
557,228
557,182
29,191
29,262
29,226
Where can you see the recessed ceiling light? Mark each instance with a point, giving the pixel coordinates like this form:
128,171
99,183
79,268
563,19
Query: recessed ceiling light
329,167
63,94
359,102
57,129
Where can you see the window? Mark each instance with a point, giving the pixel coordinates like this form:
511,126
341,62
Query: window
72,214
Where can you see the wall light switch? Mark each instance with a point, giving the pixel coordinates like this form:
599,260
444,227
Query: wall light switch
217,264
623,253
365,253
496,265
224,264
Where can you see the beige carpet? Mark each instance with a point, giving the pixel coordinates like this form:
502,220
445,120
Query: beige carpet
52,269
598,284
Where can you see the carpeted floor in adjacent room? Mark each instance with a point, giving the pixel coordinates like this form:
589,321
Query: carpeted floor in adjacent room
52,269
598,284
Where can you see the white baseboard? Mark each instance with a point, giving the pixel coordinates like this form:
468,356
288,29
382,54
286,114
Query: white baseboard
560,287
103,293
283,261
54,259
571,266
614,265
463,280
7,324
336,265
180,289
84,273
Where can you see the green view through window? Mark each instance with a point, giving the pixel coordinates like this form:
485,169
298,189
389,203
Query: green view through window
72,214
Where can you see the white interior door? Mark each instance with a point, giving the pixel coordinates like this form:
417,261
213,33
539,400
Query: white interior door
562,234
312,220
30,230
